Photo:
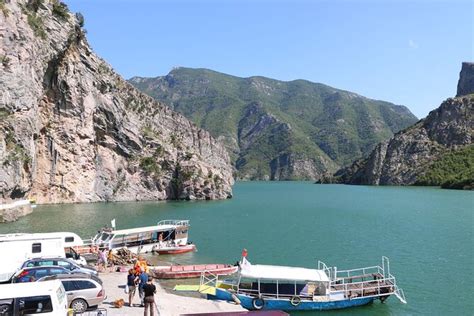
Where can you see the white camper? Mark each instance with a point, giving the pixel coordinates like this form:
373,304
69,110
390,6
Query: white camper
21,247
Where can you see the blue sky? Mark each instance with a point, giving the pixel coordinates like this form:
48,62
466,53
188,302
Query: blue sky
405,52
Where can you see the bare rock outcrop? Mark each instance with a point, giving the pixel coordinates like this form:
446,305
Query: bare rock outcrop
73,130
406,156
466,79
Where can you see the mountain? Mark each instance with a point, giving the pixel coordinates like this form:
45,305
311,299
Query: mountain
279,130
437,150
72,130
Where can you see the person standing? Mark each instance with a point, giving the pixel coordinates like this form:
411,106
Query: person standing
110,259
102,262
143,279
149,290
132,281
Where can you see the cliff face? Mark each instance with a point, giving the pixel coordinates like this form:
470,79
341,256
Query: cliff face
279,130
466,79
405,159
72,130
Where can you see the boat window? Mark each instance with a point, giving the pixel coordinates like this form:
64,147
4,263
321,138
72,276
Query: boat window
69,239
35,305
104,236
36,248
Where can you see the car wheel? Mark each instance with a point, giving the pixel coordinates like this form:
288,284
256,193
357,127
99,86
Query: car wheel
79,305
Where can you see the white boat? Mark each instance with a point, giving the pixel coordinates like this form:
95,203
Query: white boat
271,287
168,236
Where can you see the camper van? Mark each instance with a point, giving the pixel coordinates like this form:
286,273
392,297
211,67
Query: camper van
45,298
21,247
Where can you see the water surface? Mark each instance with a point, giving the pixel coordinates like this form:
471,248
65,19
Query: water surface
427,233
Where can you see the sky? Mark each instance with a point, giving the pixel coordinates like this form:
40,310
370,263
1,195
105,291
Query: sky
405,52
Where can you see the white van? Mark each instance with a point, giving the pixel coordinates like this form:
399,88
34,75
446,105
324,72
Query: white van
21,247
45,298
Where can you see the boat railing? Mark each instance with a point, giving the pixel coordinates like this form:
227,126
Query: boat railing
366,288
173,222
400,295
330,272
207,280
359,271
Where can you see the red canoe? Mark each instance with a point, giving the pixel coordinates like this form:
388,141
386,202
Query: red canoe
192,271
176,250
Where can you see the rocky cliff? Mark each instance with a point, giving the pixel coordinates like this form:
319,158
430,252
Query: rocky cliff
279,130
466,79
72,130
407,157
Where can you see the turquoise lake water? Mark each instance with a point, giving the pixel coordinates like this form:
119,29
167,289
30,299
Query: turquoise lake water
427,233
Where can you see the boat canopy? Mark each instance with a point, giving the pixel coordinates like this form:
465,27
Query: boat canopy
160,228
259,271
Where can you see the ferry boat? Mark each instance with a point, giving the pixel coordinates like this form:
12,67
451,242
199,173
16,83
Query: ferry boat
268,287
166,237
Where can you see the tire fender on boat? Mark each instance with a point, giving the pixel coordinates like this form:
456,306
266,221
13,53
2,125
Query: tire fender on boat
295,300
235,299
258,303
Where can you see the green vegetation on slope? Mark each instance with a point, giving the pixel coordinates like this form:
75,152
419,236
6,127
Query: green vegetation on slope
321,123
454,170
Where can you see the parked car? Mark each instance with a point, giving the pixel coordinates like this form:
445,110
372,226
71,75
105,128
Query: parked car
35,273
47,298
68,264
83,291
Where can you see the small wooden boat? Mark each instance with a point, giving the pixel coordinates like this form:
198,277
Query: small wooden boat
174,250
192,271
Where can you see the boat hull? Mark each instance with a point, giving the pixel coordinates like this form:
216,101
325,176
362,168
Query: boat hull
192,271
285,304
175,250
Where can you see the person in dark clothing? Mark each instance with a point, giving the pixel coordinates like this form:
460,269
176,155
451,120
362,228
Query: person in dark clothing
132,281
149,290
143,277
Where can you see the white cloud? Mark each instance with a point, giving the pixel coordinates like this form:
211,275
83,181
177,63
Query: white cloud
412,44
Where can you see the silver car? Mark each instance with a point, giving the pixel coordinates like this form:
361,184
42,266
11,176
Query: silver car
83,290
68,264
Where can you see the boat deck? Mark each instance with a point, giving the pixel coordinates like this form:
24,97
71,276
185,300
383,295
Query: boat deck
373,284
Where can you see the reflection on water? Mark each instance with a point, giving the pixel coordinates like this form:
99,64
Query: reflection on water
426,232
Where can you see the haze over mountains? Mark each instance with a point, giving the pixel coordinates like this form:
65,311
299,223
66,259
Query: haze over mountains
279,130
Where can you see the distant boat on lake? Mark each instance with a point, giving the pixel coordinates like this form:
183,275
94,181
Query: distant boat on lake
166,237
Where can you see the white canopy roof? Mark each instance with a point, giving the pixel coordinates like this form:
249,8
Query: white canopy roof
259,271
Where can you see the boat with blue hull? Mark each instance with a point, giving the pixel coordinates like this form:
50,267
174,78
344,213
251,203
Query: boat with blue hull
285,305
268,287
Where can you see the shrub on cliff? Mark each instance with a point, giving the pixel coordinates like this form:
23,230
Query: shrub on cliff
453,170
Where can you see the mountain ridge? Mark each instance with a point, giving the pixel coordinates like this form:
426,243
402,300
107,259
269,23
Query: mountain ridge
434,151
310,113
